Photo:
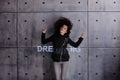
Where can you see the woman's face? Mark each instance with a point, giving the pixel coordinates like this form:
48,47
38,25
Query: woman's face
63,29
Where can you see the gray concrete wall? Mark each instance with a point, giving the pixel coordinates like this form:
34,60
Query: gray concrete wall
20,34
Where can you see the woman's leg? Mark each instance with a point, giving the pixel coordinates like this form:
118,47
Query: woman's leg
57,66
64,70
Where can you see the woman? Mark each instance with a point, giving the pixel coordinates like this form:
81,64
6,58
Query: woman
60,39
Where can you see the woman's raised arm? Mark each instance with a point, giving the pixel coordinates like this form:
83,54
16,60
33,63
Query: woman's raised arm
76,44
43,39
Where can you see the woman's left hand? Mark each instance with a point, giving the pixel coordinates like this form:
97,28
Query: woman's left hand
83,35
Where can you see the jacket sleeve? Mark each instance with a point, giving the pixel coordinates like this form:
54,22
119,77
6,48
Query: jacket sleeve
75,44
46,40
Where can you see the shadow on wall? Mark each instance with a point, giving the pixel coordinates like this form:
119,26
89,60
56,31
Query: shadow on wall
113,71
118,71
48,67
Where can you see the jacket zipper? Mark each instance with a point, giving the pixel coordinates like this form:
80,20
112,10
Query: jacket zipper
61,55
62,51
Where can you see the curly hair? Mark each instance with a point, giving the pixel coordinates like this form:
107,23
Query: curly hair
60,22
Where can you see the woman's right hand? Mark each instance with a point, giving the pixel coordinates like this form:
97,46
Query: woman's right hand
44,30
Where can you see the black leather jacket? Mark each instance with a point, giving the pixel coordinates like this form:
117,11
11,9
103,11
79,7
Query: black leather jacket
60,53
